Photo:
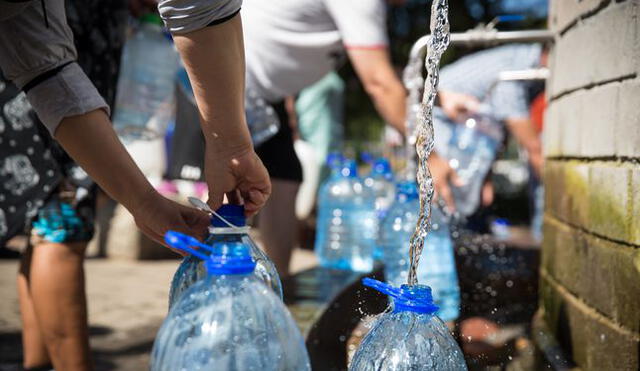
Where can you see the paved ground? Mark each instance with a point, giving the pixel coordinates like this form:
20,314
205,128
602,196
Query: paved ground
127,302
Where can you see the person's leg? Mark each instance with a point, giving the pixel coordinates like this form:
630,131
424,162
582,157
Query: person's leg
278,223
57,290
277,219
33,347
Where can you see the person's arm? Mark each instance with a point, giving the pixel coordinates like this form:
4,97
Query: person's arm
214,59
381,83
90,140
73,111
526,135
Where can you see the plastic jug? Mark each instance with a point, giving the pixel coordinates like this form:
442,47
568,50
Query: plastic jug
409,336
229,320
192,269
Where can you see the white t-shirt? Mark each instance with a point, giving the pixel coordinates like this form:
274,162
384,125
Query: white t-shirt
291,44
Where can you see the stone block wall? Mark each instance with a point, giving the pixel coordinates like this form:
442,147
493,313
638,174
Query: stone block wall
590,286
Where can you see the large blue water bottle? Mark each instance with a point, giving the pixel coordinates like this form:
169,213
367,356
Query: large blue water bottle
145,100
228,226
339,244
409,336
472,148
229,320
381,189
437,266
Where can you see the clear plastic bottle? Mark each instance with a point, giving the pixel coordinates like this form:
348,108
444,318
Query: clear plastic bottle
145,99
228,321
472,148
192,269
437,266
261,117
339,243
409,336
380,186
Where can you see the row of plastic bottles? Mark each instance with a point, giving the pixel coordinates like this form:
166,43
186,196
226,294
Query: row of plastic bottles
349,214
226,313
358,224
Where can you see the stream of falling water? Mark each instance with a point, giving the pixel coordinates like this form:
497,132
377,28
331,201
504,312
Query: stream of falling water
436,46
413,81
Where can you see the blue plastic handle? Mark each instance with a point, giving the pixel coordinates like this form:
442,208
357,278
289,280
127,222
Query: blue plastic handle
511,18
182,242
416,298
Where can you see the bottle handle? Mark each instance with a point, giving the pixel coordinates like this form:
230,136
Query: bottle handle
182,242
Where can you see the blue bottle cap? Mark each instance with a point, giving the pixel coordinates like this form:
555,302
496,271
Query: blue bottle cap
224,258
407,190
349,169
415,298
382,167
334,160
366,157
234,214
227,258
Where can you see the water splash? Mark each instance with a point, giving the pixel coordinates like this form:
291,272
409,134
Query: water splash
436,46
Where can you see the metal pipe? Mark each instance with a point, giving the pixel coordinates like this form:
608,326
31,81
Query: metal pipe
486,37
520,75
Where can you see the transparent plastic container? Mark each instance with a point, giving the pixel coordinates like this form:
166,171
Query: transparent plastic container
408,336
261,117
192,269
341,242
473,146
437,266
381,189
145,99
228,321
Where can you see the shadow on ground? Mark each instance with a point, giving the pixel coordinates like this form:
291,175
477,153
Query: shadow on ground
111,350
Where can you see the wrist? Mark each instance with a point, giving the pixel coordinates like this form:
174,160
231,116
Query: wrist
142,200
225,148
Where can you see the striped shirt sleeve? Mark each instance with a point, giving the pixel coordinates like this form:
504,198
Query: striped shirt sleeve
184,16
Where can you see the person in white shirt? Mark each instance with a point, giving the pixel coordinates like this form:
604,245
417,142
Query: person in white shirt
289,45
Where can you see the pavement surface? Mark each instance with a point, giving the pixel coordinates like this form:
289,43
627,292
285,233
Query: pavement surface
127,302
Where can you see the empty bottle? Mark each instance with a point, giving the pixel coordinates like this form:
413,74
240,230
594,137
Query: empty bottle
437,266
228,321
341,206
409,336
192,269
472,148
381,188
261,117
145,100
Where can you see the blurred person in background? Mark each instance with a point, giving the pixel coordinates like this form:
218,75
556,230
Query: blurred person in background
473,80
44,191
290,44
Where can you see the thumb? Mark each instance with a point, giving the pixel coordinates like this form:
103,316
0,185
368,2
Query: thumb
215,199
196,221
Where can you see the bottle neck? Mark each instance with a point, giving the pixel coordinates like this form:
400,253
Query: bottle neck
223,237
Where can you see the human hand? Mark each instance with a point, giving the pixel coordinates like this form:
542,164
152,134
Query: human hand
458,106
443,175
155,215
240,175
